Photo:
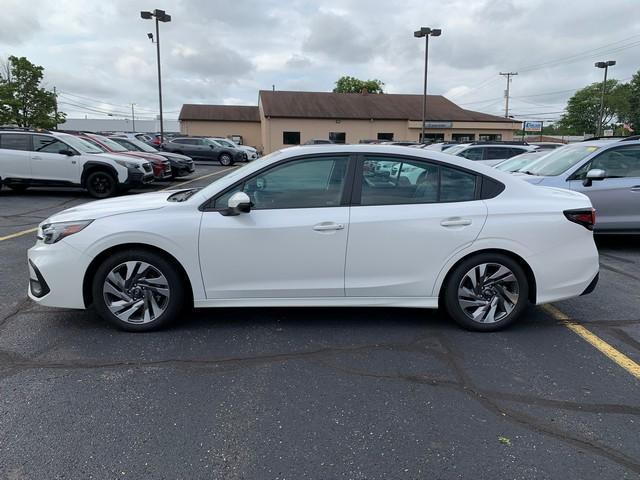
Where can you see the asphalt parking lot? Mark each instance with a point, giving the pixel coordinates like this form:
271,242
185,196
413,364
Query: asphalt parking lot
316,393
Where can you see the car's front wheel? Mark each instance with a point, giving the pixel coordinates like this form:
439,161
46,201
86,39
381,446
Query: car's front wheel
138,290
101,184
486,292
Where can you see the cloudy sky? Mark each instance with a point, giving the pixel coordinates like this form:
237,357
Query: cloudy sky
98,55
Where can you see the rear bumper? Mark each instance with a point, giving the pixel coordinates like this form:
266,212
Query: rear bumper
592,286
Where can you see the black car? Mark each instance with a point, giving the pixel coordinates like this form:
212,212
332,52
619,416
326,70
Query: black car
203,149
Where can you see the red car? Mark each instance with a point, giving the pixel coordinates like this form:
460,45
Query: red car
161,166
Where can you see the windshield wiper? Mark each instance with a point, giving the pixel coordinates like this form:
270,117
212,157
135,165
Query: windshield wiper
182,195
527,172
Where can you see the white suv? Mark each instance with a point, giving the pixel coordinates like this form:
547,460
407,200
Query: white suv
30,158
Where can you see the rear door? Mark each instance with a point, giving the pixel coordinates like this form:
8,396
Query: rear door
405,225
617,197
15,156
48,164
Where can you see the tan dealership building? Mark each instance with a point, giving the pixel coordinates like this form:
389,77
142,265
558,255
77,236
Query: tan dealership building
283,119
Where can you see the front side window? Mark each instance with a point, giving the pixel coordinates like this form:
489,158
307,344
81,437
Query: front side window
619,162
44,144
11,141
474,153
291,138
305,183
387,181
497,153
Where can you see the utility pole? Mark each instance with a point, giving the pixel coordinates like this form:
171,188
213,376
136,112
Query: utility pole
55,105
133,118
506,92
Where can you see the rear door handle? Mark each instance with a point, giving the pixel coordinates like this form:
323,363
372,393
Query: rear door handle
635,188
35,157
327,226
456,222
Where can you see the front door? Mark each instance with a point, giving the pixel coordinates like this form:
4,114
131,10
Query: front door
617,197
412,216
291,244
48,164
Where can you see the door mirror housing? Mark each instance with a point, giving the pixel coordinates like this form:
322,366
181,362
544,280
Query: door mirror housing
238,203
67,151
594,174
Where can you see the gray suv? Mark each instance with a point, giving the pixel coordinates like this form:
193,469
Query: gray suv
607,171
203,149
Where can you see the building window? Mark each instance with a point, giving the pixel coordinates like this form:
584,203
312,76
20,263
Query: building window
291,138
385,136
463,137
490,137
432,137
338,137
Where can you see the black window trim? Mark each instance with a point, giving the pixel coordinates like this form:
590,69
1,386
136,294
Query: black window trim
356,193
207,206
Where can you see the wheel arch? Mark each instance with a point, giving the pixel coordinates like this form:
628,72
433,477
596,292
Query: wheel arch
87,295
91,167
531,278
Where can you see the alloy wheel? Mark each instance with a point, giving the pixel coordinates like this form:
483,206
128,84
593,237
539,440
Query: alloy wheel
136,292
488,292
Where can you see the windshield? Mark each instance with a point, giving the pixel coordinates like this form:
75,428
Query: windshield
116,147
455,150
225,143
516,163
81,145
143,147
559,160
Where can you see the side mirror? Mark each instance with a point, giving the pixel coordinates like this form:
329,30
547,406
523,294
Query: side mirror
211,147
238,203
67,151
594,174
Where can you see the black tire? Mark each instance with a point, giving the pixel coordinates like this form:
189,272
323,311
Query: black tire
225,159
101,184
494,292
18,188
175,286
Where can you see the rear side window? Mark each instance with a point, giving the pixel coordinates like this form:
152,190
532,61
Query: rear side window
12,141
394,181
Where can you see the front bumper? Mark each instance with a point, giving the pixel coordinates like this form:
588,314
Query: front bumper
137,178
180,169
56,274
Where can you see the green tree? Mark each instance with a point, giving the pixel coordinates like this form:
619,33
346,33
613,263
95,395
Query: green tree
633,116
23,101
583,108
348,84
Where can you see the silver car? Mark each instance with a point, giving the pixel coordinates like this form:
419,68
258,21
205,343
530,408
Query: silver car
607,171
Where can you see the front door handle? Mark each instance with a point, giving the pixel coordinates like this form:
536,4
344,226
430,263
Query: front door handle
456,222
36,157
327,226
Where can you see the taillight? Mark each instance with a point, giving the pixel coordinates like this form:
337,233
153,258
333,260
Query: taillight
585,217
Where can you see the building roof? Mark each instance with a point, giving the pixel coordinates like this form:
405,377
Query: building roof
226,113
386,106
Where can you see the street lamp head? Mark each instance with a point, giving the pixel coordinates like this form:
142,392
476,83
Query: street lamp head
418,34
146,15
611,63
150,35
424,31
436,32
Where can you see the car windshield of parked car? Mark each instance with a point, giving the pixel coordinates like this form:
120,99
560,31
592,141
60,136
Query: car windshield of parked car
143,147
518,162
559,161
224,143
114,146
81,145
455,150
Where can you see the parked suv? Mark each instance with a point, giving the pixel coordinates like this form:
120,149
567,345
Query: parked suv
30,158
490,153
250,153
161,166
203,149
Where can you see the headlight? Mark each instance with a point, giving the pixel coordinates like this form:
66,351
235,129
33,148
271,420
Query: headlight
54,232
126,164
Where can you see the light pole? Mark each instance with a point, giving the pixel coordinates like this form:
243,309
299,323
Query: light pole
605,65
133,118
160,16
425,32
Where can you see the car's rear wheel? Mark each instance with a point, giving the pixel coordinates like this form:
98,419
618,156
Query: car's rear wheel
225,159
138,291
101,184
486,292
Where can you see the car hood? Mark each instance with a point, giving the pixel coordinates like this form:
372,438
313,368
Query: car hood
247,148
127,158
151,157
173,156
113,206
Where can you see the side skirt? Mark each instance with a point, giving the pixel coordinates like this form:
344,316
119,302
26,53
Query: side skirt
407,302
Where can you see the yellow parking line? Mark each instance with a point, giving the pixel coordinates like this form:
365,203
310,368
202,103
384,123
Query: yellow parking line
618,357
178,187
18,234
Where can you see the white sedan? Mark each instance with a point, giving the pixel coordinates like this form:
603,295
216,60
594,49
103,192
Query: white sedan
310,227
